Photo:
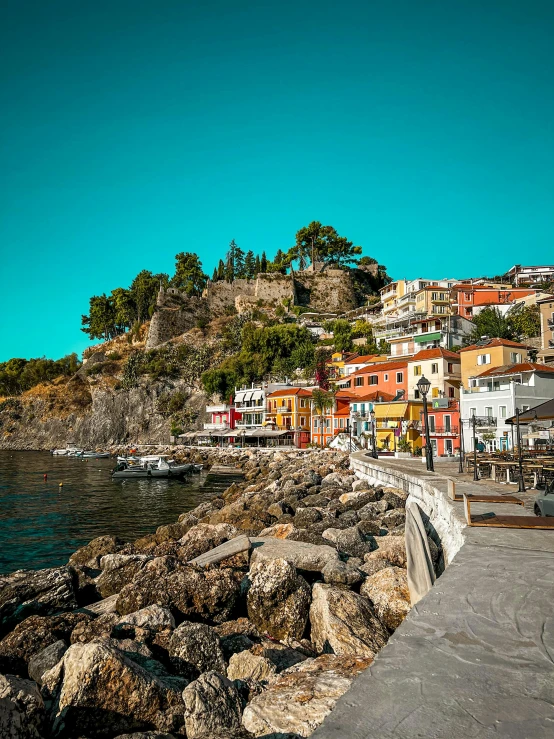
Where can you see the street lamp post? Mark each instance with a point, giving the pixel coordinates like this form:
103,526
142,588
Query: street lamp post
423,386
461,463
373,436
519,455
475,471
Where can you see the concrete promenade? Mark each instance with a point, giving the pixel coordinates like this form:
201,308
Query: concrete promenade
475,657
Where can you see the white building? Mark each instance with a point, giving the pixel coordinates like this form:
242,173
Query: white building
496,393
519,275
251,404
443,370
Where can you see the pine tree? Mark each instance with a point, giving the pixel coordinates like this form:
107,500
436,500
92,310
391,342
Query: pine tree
257,267
230,262
214,276
221,270
239,270
249,265
263,263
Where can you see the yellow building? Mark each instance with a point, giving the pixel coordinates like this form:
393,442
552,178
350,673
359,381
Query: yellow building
336,365
397,420
289,410
390,294
433,301
490,353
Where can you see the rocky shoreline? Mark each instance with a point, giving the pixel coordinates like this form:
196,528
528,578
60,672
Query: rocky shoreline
249,617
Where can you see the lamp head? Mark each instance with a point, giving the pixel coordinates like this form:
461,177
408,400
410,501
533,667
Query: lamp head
423,385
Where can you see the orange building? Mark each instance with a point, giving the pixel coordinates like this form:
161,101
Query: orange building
289,410
467,297
384,377
331,421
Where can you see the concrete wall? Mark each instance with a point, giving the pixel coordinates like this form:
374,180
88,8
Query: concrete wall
430,493
330,291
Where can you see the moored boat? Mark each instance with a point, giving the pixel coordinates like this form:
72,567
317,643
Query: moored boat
151,467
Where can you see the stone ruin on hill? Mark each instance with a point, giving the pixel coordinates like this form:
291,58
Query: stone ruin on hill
328,290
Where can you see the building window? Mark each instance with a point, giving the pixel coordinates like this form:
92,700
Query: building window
502,411
316,423
399,377
416,394
488,411
373,379
483,359
524,408
336,423
359,381
450,367
450,392
302,402
342,423
432,424
434,369
302,420
448,446
515,357
386,378
447,426
472,412
417,370
435,392
354,406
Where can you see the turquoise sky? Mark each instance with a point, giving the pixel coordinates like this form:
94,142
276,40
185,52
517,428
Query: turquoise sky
130,130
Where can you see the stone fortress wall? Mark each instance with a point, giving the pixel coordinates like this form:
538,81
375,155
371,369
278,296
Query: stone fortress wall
329,291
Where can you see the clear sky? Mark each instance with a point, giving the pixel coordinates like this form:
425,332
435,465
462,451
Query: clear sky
131,130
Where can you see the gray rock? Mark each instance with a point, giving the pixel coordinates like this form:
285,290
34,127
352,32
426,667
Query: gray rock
117,571
389,593
394,517
35,592
212,704
345,623
304,517
195,648
251,667
349,541
97,680
391,548
46,659
373,510
152,617
22,713
90,554
309,557
278,600
299,699
341,573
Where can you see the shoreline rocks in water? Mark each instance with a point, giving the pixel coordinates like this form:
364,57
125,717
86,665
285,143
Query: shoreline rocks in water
261,638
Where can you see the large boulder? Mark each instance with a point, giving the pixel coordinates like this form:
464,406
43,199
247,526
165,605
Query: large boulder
299,699
97,690
152,617
251,667
278,600
392,548
117,571
309,557
27,593
209,594
212,704
33,635
345,623
203,537
389,593
194,648
90,555
236,636
348,541
46,660
22,713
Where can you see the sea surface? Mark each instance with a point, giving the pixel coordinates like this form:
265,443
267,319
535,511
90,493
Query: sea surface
43,523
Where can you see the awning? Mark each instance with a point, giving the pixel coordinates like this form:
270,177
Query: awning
542,412
422,338
390,410
257,395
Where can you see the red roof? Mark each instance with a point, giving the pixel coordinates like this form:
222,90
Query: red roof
495,342
515,369
361,359
434,354
380,366
377,396
291,391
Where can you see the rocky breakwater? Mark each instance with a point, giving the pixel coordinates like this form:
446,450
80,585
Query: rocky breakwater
249,617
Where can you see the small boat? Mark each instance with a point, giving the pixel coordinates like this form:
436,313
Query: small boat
92,455
197,468
70,451
151,467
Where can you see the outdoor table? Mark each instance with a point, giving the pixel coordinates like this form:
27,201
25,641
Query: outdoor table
536,469
508,466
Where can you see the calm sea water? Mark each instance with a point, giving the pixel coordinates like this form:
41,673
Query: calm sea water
42,524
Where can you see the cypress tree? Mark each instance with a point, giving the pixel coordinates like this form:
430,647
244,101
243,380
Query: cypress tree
263,263
249,265
257,267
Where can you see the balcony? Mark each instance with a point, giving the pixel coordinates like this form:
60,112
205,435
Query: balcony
443,431
220,408
215,427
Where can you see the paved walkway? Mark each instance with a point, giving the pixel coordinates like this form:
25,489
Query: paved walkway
475,657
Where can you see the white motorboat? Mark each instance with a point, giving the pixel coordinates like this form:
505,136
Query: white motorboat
152,466
70,451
